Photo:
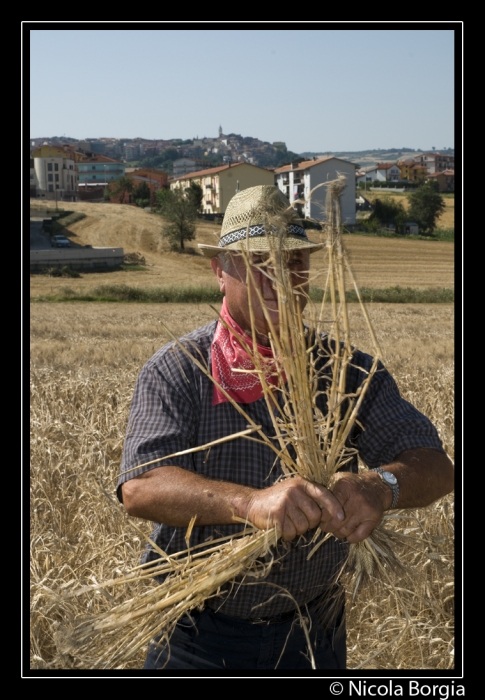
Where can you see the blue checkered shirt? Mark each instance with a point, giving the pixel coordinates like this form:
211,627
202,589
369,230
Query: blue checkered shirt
172,411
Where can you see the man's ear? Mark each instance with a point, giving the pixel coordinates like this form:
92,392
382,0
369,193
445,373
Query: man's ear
217,270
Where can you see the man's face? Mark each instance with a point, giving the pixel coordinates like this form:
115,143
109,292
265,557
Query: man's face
234,281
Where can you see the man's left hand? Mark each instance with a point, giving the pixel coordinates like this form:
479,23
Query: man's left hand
364,498
424,475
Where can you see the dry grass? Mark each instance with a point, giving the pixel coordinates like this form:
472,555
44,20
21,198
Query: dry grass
85,359
80,533
376,262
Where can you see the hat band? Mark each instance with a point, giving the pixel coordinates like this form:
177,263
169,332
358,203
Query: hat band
255,231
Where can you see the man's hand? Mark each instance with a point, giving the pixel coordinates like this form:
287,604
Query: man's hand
424,475
352,508
364,498
294,506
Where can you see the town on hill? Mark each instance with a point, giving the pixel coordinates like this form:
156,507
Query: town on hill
209,152
132,171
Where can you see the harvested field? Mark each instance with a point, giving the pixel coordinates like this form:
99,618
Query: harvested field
84,362
376,262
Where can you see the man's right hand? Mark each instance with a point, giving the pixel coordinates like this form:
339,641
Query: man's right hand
294,506
173,495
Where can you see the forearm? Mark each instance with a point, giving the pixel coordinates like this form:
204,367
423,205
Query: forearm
172,495
424,475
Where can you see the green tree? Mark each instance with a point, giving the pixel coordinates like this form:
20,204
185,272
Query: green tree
141,195
180,216
161,199
195,194
386,212
425,207
122,187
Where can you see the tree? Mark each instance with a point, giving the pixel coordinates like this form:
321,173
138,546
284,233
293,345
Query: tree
386,212
195,194
425,207
180,216
161,199
141,195
122,187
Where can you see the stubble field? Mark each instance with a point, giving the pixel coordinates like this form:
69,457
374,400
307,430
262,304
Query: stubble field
376,262
84,362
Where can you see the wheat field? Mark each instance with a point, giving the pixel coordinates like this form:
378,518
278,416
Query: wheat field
376,262
84,362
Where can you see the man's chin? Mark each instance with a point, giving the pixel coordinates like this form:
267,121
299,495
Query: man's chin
264,330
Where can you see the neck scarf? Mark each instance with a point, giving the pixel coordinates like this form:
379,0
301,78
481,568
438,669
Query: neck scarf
228,354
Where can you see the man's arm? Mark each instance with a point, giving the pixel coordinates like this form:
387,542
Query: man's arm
173,495
423,474
352,509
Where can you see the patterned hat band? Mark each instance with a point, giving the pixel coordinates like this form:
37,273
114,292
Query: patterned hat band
256,231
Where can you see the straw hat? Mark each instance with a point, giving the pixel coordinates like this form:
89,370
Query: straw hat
247,214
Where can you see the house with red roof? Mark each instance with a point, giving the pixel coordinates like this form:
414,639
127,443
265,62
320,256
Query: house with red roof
388,172
445,180
436,162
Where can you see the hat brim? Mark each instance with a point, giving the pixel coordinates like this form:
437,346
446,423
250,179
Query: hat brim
260,243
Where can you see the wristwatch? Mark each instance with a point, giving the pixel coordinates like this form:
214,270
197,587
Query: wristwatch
391,480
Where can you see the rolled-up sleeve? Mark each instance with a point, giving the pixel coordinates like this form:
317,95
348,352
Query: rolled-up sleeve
390,424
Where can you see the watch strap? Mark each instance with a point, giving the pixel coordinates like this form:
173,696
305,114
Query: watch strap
394,487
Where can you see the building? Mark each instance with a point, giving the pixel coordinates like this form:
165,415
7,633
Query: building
410,228
388,172
33,179
366,175
412,171
184,166
297,180
97,170
155,179
53,173
445,180
435,162
221,183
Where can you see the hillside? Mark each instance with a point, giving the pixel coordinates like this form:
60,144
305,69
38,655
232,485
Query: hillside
376,262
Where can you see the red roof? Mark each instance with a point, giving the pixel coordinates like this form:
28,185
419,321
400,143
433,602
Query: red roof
305,164
384,166
212,171
97,158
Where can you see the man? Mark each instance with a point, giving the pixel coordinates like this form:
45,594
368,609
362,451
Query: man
254,623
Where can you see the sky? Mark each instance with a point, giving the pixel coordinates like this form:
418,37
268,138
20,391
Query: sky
316,88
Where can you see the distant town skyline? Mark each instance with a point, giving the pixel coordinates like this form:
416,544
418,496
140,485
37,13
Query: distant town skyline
37,140
318,90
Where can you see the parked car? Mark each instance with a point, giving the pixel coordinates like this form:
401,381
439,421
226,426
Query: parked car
60,242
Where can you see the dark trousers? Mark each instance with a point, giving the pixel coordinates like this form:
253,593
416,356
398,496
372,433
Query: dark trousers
213,641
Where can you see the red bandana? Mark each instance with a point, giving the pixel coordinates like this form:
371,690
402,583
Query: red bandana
228,355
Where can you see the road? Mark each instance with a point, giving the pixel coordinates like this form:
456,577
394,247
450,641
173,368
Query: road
38,239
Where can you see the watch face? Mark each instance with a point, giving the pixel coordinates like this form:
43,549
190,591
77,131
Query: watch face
390,478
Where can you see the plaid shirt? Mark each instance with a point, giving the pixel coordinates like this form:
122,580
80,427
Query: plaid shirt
172,411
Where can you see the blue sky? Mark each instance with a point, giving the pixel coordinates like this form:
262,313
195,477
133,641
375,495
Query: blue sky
319,89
